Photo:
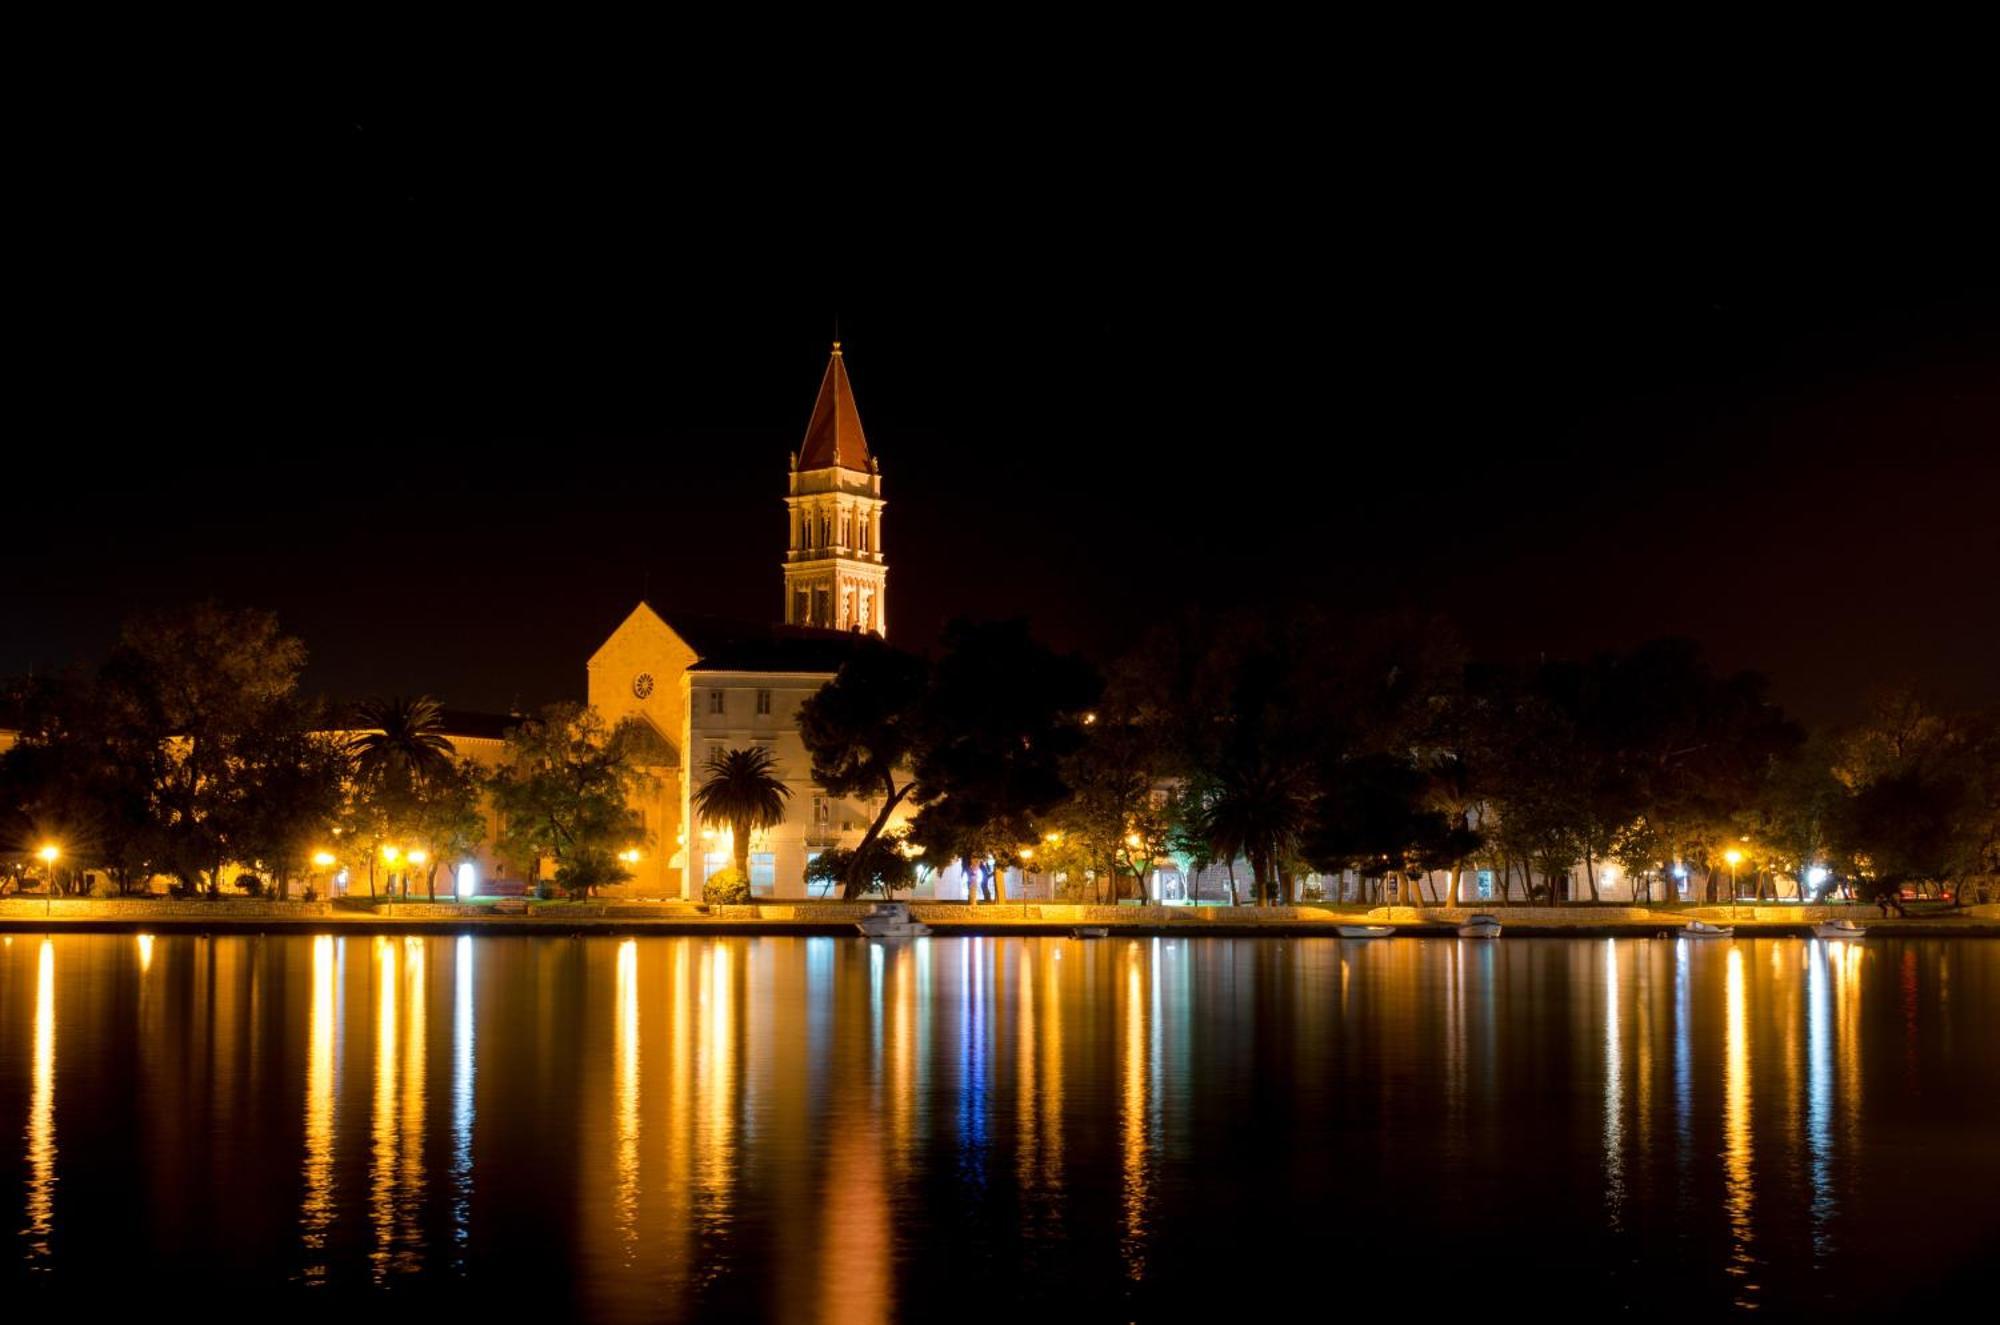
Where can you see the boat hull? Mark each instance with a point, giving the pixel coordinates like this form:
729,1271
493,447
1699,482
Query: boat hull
1366,931
1479,930
1836,930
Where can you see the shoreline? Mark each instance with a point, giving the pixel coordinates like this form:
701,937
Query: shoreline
826,920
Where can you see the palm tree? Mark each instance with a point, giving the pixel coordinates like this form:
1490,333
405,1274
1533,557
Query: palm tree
407,744
742,789
399,752
1257,811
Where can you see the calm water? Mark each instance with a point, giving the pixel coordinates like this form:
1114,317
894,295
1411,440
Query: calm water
823,1128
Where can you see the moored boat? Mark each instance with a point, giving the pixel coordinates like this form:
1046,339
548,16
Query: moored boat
1479,927
891,920
1366,931
1839,929
1701,929
1090,932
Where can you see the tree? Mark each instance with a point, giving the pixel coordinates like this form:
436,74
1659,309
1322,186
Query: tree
402,742
563,792
1925,803
206,688
741,788
1003,715
78,780
861,730
1258,812
882,866
292,784
1111,815
447,823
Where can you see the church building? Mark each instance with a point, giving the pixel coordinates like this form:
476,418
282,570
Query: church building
702,686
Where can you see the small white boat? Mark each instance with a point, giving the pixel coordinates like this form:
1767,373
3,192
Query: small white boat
1701,929
1839,929
1366,931
1479,927
891,920
1091,932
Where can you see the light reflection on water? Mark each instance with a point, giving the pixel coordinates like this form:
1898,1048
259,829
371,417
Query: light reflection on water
855,1130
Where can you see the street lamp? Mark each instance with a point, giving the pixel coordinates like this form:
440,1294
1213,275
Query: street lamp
49,854
1733,856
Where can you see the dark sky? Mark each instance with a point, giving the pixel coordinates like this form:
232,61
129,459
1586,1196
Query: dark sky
449,389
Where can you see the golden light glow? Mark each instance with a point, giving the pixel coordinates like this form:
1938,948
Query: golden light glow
1133,1051
49,852
410,1171
145,953
1733,856
390,853
419,856
42,1113
629,856
323,859
1614,1090
382,1160
316,1209
625,1089
1132,840
1736,1184
1026,853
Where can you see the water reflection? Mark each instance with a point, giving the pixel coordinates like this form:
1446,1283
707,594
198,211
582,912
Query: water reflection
1737,1185
1132,1050
625,1092
463,1087
396,1158
1819,1091
852,1130
42,1114
316,1210
1614,1092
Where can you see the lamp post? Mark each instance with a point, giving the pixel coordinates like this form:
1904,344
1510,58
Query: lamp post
1733,856
322,862
49,854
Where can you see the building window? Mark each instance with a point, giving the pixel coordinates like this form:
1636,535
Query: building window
1486,885
715,701
764,703
763,873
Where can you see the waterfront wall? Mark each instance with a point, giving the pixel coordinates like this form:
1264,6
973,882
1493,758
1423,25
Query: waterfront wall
163,908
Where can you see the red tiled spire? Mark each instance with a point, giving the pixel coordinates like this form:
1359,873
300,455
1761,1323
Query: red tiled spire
834,435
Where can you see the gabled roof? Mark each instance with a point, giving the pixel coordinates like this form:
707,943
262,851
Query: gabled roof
735,646
833,438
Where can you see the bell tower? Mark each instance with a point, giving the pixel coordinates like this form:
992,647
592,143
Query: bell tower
835,577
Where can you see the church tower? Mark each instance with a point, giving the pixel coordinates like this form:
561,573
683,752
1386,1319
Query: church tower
834,573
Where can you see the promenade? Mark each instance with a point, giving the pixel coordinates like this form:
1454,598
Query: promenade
246,915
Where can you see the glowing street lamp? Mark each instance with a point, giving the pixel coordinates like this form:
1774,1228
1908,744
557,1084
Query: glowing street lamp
1734,857
323,859
49,854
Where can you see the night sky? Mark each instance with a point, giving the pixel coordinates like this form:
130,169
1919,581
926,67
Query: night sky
450,391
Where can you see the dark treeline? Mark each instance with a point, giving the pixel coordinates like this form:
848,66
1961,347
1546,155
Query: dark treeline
1272,747
1294,744
191,753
